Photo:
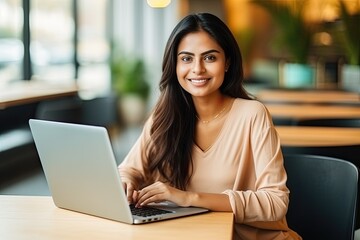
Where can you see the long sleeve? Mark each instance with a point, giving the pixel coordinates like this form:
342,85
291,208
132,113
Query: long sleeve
267,200
246,163
134,165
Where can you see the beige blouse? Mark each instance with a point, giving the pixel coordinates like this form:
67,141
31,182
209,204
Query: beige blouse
245,162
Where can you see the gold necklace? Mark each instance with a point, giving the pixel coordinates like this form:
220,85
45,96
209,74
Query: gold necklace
215,117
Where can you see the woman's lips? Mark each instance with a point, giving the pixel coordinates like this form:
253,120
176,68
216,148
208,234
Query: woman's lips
198,81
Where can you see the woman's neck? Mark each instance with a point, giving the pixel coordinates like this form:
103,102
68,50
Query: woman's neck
210,108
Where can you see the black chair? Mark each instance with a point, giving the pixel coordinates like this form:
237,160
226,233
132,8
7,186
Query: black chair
349,153
323,196
101,111
62,110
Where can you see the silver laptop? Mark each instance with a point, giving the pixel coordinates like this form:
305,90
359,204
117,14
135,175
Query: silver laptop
82,174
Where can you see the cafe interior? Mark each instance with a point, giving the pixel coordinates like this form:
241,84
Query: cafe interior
99,63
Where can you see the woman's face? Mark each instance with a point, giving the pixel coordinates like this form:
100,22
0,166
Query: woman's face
201,64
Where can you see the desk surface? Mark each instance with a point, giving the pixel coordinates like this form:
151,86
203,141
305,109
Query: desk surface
308,96
24,92
310,111
301,136
34,217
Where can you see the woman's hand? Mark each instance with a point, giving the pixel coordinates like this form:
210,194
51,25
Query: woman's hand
160,191
131,192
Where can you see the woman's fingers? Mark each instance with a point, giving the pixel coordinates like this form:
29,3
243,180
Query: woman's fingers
131,193
158,192
155,192
149,196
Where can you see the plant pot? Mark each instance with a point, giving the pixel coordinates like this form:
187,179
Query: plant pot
350,78
298,76
132,109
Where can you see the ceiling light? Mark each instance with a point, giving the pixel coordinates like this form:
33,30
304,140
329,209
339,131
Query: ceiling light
158,3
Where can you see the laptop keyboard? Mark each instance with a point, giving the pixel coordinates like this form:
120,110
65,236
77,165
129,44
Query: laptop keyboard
147,211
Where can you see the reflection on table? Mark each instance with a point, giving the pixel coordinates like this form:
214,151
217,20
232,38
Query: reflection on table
299,136
343,143
24,92
310,111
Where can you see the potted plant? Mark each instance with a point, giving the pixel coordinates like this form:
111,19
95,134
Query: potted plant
349,36
295,36
129,82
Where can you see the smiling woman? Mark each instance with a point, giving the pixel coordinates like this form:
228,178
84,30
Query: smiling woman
201,67
206,143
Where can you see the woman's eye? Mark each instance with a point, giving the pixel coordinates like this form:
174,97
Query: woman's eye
186,59
210,58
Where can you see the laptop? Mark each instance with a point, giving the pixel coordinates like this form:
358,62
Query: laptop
82,174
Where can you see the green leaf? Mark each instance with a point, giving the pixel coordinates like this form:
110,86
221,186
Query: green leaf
129,77
350,33
294,34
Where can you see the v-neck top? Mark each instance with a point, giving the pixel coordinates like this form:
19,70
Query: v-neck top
245,162
217,138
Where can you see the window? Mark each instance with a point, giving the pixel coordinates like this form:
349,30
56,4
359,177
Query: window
67,41
51,45
94,21
11,45
71,40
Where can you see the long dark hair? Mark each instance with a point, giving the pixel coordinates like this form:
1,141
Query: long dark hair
173,127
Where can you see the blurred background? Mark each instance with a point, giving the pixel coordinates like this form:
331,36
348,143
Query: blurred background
81,41
112,50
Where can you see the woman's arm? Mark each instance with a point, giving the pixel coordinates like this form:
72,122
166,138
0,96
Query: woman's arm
160,191
213,201
267,199
132,170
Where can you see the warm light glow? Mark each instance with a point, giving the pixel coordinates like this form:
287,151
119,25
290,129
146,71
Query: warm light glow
323,38
158,3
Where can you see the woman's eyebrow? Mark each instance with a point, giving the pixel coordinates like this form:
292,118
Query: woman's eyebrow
204,53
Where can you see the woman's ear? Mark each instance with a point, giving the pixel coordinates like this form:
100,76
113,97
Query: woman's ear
227,65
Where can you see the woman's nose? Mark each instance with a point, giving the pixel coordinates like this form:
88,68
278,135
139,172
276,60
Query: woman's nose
198,67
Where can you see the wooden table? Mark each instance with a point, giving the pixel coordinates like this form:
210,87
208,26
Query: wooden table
308,96
24,92
34,217
301,136
310,111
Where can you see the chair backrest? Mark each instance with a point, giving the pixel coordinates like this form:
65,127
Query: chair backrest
323,196
63,110
101,111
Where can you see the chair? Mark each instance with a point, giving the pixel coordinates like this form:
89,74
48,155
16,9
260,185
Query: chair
101,111
63,110
323,196
348,153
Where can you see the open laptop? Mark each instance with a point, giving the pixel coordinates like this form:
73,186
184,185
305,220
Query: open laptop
82,174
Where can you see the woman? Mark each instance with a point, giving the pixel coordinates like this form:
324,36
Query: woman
207,144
